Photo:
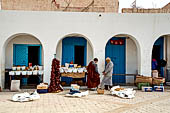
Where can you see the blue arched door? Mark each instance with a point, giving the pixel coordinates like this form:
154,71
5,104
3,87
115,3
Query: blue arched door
116,51
158,52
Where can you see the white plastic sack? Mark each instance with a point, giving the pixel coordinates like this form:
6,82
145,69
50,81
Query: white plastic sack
70,70
61,70
12,73
66,70
74,70
15,85
25,97
80,70
67,65
125,93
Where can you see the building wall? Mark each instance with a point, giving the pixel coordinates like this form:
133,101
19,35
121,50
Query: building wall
62,5
131,60
23,39
98,28
165,9
136,10
168,50
167,6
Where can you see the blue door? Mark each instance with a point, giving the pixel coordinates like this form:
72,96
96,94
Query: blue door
68,49
157,52
20,55
117,54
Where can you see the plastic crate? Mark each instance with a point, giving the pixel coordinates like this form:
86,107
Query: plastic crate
147,89
159,88
142,84
42,90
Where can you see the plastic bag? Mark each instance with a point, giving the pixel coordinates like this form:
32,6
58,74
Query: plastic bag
25,97
75,70
61,70
15,85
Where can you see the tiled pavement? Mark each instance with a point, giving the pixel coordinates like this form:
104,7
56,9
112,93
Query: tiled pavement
144,102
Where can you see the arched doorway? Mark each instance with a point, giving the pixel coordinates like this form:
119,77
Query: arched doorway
76,49
123,50
160,53
22,50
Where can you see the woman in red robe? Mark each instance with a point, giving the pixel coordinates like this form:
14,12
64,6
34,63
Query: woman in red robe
93,78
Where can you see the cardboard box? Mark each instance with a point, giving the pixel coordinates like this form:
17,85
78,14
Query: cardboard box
159,88
147,89
42,86
143,79
158,81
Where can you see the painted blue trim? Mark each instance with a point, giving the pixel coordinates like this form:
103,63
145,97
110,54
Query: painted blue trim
27,45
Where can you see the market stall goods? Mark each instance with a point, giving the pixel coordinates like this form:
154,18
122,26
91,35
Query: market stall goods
143,79
126,93
74,91
55,85
25,97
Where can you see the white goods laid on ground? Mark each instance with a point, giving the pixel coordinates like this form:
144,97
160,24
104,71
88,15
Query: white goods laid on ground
126,93
25,97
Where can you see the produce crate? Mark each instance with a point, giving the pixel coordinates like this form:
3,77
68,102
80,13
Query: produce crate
147,89
159,88
142,84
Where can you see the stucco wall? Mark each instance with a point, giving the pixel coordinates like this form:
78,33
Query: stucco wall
131,60
46,26
62,5
23,39
168,50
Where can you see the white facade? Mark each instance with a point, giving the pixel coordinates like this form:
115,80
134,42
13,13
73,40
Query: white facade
49,28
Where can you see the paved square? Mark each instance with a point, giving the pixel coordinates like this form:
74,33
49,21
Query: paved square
144,102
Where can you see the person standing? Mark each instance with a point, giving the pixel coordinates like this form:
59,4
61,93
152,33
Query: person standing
107,79
154,64
93,78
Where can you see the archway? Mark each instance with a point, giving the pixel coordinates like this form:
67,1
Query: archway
160,53
21,50
75,38
124,51
76,49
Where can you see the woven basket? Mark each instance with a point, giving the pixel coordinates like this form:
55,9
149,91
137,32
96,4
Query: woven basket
143,79
100,91
158,81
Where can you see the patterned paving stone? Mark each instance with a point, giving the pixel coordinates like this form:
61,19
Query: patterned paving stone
157,102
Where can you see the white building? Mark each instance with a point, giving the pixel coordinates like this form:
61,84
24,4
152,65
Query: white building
131,50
